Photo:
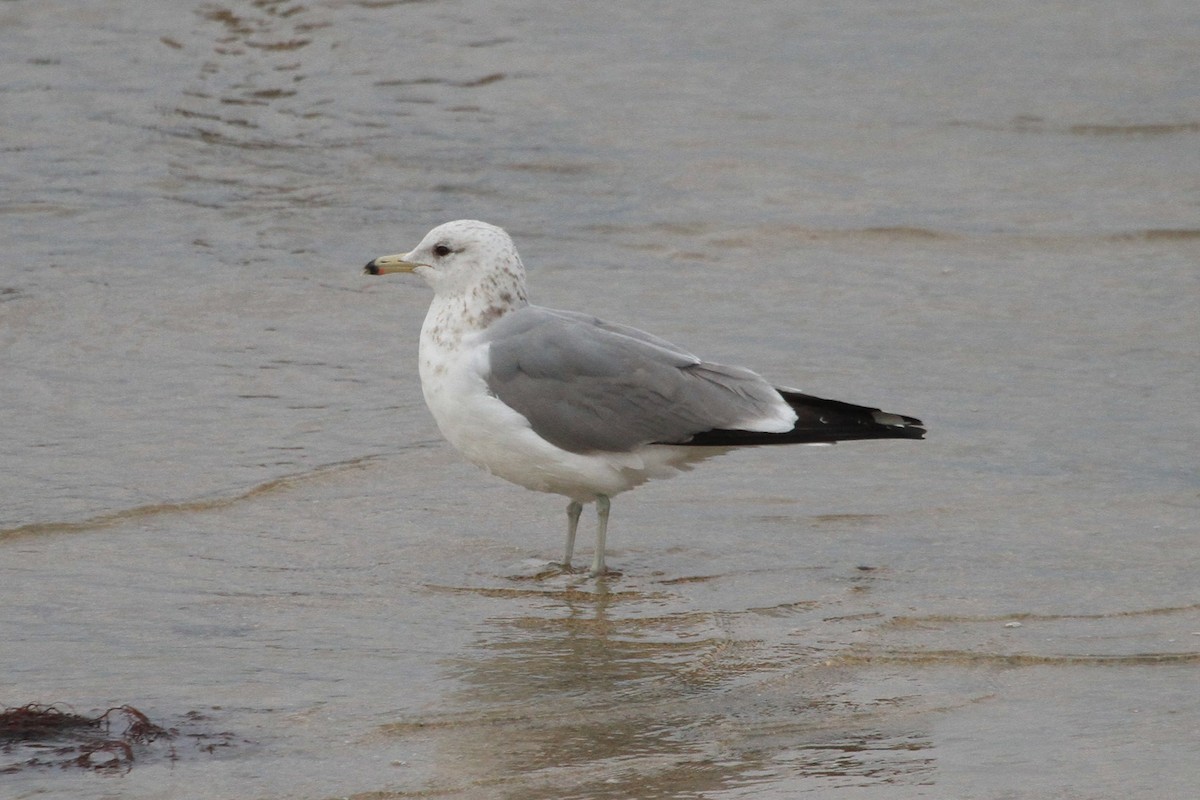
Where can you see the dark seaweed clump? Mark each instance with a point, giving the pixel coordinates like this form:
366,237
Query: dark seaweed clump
51,736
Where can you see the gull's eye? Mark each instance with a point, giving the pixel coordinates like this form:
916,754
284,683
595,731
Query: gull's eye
442,250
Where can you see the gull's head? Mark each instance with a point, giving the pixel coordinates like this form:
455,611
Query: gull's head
461,257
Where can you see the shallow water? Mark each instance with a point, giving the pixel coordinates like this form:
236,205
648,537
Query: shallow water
225,504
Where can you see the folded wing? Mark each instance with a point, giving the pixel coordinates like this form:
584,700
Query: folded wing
586,385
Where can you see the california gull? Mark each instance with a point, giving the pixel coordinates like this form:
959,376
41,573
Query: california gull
562,402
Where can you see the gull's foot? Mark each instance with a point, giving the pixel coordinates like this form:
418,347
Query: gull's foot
535,569
555,569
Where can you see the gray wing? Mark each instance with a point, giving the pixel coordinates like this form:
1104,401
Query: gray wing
586,385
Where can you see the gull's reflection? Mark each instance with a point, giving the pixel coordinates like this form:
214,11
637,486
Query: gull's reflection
614,695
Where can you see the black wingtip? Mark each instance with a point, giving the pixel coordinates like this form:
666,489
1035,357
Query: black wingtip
908,431
906,428
820,421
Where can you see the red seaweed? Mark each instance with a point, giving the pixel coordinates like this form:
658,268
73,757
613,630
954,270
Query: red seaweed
43,735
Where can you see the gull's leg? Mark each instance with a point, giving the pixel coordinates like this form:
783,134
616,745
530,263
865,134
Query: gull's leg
574,509
602,506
